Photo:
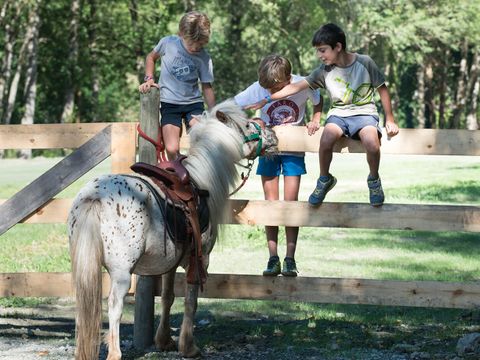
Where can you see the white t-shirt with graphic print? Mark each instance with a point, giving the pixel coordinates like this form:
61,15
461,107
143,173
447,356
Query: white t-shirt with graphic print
351,88
180,71
288,111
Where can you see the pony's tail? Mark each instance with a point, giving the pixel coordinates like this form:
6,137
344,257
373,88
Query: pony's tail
86,255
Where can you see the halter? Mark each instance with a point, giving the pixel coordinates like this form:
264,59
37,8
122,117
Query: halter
255,137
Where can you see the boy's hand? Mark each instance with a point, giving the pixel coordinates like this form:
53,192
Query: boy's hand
145,87
312,127
391,127
257,105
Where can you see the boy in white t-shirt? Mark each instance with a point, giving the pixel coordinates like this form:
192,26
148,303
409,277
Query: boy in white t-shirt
274,73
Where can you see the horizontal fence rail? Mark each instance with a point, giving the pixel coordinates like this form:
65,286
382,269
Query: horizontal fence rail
255,287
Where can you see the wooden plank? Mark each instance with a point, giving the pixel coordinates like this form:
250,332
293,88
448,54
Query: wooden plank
408,141
346,215
48,136
357,215
123,147
436,294
338,291
143,327
52,284
45,187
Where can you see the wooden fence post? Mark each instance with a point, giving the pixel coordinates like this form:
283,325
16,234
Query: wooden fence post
145,289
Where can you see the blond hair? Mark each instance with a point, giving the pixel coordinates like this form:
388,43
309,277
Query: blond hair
273,69
194,26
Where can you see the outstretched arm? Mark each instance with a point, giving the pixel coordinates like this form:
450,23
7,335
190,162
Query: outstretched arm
390,125
149,72
314,124
288,90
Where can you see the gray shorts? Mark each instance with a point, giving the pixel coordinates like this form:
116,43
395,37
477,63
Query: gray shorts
351,125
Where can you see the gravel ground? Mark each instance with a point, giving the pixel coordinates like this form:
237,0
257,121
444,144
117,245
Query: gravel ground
47,332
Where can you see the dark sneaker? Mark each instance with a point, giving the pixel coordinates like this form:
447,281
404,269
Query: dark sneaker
322,188
273,266
289,267
377,196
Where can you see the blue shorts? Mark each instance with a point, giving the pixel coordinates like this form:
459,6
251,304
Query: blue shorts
174,113
351,125
288,165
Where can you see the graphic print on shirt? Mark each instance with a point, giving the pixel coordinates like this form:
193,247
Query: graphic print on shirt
183,68
283,112
360,96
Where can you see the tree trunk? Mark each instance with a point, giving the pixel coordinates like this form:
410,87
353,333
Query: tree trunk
31,73
473,90
92,38
67,113
12,92
429,105
443,92
421,96
8,18
460,99
139,52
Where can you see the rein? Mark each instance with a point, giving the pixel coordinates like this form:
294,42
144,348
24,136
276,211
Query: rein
159,147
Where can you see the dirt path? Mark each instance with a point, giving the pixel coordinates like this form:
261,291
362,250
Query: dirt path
47,332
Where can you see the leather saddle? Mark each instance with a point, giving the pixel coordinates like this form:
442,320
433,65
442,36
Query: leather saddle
186,213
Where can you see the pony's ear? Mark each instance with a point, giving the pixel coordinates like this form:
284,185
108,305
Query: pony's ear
221,116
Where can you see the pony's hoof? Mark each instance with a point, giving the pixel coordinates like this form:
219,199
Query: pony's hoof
194,351
168,345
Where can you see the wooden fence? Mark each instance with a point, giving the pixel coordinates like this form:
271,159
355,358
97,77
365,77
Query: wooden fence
118,140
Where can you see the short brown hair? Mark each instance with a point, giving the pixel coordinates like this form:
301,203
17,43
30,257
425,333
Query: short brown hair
273,69
194,26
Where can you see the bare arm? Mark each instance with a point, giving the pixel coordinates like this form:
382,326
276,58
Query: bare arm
314,124
390,125
209,95
149,71
288,90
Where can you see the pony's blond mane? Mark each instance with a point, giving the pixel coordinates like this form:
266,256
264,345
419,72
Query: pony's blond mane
214,149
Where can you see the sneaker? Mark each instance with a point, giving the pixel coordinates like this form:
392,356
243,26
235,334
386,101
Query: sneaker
322,188
289,267
273,266
377,196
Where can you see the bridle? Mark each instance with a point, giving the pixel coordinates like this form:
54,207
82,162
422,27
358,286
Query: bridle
256,136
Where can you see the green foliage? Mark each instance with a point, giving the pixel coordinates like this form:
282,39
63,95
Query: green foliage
405,38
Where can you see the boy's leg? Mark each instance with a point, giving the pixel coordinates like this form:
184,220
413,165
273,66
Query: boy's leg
293,168
269,169
171,122
369,136
171,140
332,132
192,111
370,141
291,187
271,192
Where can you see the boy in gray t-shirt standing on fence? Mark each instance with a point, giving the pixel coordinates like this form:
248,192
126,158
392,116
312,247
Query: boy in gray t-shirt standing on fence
351,80
184,63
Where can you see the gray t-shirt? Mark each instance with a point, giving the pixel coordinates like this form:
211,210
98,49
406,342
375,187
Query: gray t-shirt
180,71
352,88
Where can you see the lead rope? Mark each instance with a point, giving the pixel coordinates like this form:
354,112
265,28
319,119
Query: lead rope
244,177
